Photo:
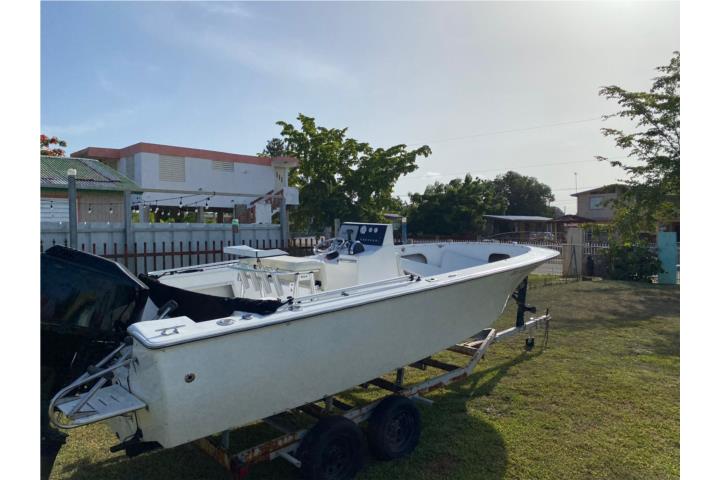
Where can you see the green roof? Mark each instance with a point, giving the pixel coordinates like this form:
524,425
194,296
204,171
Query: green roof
91,175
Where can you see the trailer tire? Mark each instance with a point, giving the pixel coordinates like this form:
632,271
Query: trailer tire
394,428
334,449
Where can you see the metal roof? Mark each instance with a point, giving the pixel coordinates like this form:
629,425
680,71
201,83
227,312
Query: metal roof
612,188
91,175
519,218
573,219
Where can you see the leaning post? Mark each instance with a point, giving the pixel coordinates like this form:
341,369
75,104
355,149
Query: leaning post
72,205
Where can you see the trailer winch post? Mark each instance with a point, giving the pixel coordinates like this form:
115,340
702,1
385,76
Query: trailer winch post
520,297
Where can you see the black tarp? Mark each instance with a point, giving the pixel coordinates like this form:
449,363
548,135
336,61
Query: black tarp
86,304
201,307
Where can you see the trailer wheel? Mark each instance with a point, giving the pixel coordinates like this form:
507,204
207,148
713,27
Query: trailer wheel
394,428
334,449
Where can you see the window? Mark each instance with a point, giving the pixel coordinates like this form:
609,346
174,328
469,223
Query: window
172,169
596,203
224,166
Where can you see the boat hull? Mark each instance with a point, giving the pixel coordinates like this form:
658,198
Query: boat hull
206,386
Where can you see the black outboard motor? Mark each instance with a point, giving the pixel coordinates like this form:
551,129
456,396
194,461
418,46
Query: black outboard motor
86,304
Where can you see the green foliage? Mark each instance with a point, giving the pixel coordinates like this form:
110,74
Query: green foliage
457,207
275,147
453,208
631,261
525,195
653,189
340,177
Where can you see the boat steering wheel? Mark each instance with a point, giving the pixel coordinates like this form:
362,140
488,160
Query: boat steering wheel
330,245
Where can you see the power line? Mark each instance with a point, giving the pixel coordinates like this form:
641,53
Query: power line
514,166
513,130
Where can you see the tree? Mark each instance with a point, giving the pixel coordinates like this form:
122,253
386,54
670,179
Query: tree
458,207
275,147
340,177
46,146
524,195
652,195
455,208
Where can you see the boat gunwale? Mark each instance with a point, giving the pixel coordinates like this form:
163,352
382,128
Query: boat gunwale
429,283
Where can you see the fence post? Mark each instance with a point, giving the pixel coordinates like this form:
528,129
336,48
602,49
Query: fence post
72,204
573,253
284,226
668,254
127,219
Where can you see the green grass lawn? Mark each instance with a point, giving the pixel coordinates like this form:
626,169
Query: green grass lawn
602,401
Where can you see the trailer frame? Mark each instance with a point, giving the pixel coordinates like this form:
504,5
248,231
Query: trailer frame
283,446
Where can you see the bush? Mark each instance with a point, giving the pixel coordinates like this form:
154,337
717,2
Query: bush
632,261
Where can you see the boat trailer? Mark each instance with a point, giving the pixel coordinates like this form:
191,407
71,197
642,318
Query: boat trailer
291,444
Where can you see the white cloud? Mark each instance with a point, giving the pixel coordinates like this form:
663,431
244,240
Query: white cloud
91,125
234,9
231,45
432,174
74,129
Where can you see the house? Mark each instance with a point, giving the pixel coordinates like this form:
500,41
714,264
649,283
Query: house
516,227
100,190
561,224
220,182
596,204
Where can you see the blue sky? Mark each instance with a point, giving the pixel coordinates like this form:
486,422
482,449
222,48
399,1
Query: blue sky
219,75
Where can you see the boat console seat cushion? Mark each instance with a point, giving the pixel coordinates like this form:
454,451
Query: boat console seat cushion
292,264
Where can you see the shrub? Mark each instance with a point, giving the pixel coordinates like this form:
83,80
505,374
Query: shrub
632,261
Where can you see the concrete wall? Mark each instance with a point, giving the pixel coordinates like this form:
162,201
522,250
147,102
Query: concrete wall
144,169
109,238
605,213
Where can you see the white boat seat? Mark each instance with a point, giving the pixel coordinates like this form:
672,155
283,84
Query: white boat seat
292,264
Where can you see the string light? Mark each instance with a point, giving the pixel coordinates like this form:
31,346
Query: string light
90,208
111,210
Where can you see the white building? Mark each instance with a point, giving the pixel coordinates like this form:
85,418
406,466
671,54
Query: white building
228,179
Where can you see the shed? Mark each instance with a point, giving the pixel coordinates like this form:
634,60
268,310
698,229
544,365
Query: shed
100,190
516,225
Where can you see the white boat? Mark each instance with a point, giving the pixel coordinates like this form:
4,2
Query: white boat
269,332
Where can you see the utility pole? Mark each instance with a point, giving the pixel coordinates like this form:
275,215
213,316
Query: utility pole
575,182
72,204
